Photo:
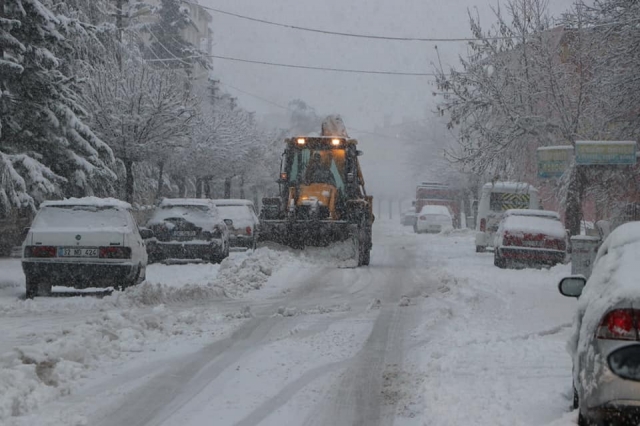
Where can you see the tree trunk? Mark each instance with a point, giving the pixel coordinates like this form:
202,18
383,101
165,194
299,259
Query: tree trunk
227,188
207,188
160,176
242,187
573,212
198,187
129,183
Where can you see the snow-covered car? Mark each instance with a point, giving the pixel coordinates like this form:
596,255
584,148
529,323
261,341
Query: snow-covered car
604,345
433,219
530,238
188,228
245,228
408,218
83,242
495,199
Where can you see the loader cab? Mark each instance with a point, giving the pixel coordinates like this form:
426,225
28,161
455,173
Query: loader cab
320,169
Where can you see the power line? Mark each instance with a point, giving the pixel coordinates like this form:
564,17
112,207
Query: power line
306,67
343,34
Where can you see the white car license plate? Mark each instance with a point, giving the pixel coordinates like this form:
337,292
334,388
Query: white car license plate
77,252
184,233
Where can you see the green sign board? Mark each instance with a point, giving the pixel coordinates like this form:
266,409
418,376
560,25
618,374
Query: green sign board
594,153
553,160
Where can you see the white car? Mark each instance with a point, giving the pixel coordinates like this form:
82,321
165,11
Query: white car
83,242
433,219
245,228
605,343
188,228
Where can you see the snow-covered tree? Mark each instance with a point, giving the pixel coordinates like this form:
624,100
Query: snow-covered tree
524,84
142,112
47,149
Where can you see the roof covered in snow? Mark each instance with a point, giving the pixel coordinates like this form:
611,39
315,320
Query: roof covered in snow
186,202
233,202
534,225
435,210
508,186
88,201
533,213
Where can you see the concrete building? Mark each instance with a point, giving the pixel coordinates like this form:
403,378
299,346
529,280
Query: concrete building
198,33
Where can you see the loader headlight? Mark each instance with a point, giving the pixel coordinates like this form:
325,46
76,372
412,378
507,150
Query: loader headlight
336,142
302,141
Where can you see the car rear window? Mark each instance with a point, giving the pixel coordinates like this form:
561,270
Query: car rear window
80,217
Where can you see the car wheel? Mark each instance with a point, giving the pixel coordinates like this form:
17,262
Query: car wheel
480,249
499,261
31,288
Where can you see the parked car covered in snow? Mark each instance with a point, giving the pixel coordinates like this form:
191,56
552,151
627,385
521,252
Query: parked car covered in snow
83,242
433,219
530,238
408,217
605,343
188,228
495,199
245,228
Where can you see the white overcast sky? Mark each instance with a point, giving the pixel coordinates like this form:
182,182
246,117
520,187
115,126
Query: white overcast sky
363,100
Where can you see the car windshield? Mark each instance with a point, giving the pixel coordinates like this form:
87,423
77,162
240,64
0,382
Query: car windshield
79,217
239,212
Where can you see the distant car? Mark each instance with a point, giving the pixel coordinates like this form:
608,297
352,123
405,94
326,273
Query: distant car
246,225
433,219
83,242
605,343
188,228
408,218
530,238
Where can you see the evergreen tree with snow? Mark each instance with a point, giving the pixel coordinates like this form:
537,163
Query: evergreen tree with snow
46,149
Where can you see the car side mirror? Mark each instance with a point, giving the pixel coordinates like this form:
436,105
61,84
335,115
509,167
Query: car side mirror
625,362
146,233
572,286
229,222
359,153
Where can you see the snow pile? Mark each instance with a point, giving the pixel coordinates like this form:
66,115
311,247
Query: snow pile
237,278
33,375
292,311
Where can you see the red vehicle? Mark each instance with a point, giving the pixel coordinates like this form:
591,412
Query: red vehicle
439,194
530,238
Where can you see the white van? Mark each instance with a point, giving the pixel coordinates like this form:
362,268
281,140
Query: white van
495,199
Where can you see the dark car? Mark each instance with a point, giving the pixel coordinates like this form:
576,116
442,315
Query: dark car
188,228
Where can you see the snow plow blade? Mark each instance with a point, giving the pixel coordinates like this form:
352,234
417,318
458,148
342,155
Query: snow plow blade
353,251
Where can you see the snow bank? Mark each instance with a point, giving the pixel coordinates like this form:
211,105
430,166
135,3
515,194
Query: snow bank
88,201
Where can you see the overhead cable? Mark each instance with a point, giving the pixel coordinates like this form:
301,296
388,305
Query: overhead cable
343,34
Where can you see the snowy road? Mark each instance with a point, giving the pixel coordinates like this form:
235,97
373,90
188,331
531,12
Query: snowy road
430,334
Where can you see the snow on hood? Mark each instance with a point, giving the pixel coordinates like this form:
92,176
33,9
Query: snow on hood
532,212
200,216
534,225
509,187
88,201
240,215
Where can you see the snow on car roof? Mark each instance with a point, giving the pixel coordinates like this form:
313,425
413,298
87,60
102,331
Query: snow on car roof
435,210
532,213
87,201
509,186
534,225
167,202
233,202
